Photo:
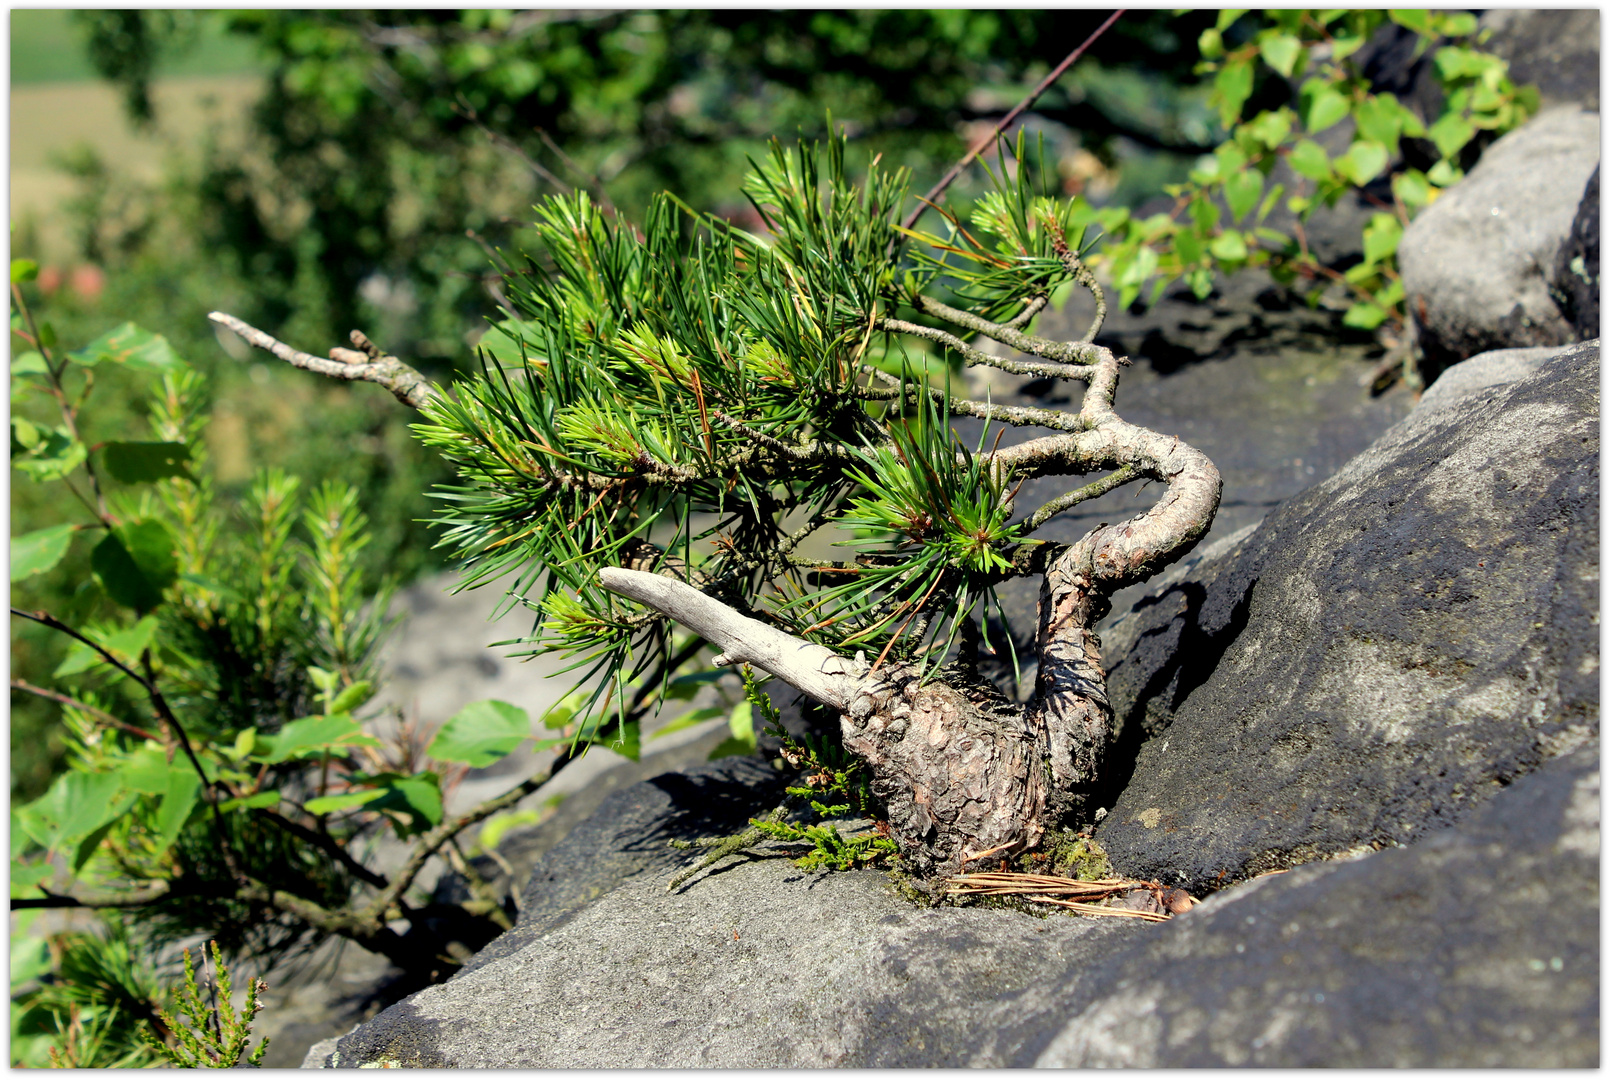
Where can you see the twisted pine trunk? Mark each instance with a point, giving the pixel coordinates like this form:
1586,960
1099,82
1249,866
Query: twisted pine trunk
962,771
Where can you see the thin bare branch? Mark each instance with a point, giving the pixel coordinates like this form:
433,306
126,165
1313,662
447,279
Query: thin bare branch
112,898
100,714
979,358
815,452
1081,273
1016,415
1006,121
1026,316
1079,353
1096,489
431,842
69,413
406,385
324,843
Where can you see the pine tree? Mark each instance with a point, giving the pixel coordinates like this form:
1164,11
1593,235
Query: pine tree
681,406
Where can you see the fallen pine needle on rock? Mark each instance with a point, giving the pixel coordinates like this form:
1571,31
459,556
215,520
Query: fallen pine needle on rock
1081,896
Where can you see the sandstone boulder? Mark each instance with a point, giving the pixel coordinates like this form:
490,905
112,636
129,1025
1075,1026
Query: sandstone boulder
1478,947
1477,264
1383,653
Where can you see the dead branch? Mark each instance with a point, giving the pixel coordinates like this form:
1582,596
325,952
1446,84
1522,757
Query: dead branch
1006,121
813,670
406,384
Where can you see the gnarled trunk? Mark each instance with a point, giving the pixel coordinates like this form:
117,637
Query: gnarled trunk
962,771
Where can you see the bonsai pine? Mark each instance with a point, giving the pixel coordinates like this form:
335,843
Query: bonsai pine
683,410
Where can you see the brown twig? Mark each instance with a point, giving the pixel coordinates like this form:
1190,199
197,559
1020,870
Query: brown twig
66,699
1006,121
1117,479
133,898
69,413
1047,889
432,841
1096,909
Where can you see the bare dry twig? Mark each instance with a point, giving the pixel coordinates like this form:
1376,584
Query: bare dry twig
406,384
1006,121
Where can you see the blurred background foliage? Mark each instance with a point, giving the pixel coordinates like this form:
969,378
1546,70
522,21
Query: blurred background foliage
317,171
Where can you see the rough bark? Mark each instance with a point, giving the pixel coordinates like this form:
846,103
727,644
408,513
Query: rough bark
963,772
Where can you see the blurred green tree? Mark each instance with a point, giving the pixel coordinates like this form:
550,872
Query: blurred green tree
384,135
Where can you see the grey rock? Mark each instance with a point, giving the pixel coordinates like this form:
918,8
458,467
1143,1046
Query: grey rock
1575,287
759,966
1384,652
1477,948
1496,368
628,836
1555,50
1477,263
521,848
319,1053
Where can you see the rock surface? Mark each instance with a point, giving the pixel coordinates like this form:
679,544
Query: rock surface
1478,947
1497,368
1555,50
1575,288
1477,263
1389,648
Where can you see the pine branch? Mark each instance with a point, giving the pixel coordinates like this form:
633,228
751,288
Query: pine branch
1112,482
1026,316
1016,415
977,357
1082,353
1081,273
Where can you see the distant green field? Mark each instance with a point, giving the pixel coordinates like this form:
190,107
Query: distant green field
47,47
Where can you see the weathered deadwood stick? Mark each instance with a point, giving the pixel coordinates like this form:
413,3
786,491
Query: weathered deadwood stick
813,670
406,385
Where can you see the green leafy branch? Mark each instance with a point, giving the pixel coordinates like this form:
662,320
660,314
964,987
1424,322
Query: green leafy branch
221,775
1218,223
